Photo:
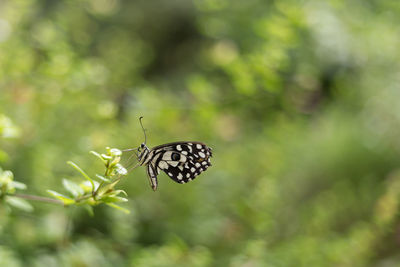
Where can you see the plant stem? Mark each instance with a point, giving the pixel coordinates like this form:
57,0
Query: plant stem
39,198
102,182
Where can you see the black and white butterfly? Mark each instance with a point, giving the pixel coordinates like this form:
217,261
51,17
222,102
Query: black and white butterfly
181,161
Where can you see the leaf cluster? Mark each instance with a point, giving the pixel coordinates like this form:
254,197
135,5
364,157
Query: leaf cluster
100,189
8,188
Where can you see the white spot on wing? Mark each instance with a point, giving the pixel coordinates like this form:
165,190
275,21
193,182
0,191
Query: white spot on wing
183,158
167,155
198,146
187,175
184,152
201,154
192,169
173,163
180,176
198,164
178,147
163,165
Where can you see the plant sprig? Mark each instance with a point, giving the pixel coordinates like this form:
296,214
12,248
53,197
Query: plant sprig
8,189
90,192
97,190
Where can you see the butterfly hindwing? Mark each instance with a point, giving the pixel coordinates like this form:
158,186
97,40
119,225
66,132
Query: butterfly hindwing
152,173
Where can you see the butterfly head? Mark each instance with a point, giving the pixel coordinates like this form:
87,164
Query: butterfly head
141,148
143,151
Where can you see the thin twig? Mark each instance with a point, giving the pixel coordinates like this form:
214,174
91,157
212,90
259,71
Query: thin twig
39,198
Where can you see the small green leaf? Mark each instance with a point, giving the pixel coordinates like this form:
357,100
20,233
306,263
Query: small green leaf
115,152
117,192
104,156
106,188
114,162
111,199
87,186
98,155
76,167
118,208
103,178
19,203
66,200
18,185
73,188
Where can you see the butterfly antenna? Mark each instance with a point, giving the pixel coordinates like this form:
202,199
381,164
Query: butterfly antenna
144,131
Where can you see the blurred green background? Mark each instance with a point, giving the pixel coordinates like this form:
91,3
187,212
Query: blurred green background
298,99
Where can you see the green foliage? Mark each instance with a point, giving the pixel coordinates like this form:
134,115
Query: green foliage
298,99
90,192
8,187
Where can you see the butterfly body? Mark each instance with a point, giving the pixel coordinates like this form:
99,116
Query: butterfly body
181,161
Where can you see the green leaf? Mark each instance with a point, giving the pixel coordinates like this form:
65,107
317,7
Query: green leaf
117,192
115,152
103,178
111,199
118,208
106,188
107,157
18,185
73,188
87,186
98,155
66,200
19,203
114,162
76,167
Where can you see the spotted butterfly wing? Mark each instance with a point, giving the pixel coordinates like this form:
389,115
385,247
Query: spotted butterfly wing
181,161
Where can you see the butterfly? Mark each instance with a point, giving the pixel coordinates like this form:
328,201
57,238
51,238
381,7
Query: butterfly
181,161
